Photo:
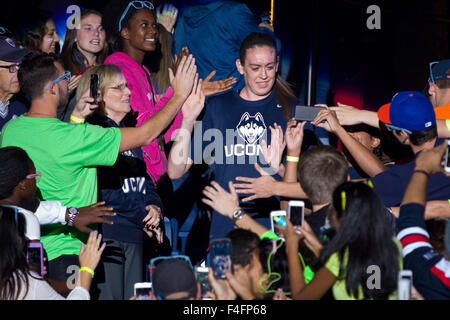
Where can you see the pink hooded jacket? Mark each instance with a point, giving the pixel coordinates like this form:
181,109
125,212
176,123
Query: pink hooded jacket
141,100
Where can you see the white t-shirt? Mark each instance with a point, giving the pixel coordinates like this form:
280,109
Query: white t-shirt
39,289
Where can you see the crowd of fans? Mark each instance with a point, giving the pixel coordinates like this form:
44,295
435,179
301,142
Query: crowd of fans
93,134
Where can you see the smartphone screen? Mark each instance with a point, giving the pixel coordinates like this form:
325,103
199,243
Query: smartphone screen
404,285
201,274
221,257
35,258
141,290
296,212
277,217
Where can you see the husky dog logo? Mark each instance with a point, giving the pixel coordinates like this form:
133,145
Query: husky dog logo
251,128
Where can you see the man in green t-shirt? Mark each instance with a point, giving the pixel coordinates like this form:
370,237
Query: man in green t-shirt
67,154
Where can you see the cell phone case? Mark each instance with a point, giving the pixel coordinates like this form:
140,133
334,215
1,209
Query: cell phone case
305,113
220,256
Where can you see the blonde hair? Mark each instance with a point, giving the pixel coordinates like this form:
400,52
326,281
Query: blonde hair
106,74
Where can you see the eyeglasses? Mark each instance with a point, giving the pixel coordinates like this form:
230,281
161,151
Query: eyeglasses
66,76
122,86
137,5
37,175
431,71
391,127
13,68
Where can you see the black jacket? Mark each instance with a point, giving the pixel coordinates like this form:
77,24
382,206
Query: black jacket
127,188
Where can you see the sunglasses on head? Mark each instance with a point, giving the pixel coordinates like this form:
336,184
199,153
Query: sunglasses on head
137,5
391,127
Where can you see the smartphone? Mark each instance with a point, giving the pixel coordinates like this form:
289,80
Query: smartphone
142,290
277,217
306,113
404,284
447,158
201,274
296,212
35,257
220,257
94,87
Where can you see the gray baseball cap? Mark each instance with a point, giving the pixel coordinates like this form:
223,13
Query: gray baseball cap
10,52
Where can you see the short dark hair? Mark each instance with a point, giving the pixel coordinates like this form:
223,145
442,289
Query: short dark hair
255,39
14,167
35,72
417,138
243,243
320,171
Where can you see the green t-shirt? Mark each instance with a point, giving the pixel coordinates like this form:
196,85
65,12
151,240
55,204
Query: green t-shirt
339,289
67,155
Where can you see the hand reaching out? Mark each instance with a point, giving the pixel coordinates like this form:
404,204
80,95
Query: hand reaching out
183,81
261,187
347,115
294,137
273,153
327,119
226,203
183,53
213,87
91,252
167,16
194,104
92,214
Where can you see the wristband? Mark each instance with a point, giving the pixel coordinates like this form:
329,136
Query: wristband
292,159
422,171
87,269
75,119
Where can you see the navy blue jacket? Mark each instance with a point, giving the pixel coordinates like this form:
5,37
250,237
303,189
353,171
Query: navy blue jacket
127,188
213,32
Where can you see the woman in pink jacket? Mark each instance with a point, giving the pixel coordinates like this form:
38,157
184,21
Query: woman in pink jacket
132,31
133,34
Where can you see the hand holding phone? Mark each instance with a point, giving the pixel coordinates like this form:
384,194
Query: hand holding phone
201,274
278,217
404,284
220,257
142,290
35,257
296,213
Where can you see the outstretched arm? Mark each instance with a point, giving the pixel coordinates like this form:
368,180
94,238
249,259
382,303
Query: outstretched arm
179,161
365,158
226,203
182,84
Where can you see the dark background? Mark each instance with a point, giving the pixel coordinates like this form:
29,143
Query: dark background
364,66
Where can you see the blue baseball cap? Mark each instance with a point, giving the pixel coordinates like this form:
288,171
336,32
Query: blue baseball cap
409,111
